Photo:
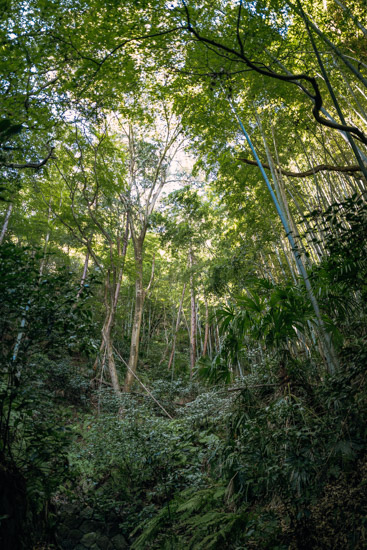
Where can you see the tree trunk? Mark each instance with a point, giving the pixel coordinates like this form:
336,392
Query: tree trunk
216,336
112,292
206,333
170,362
110,357
47,239
138,315
325,339
6,222
193,320
199,332
210,346
84,275
352,16
107,343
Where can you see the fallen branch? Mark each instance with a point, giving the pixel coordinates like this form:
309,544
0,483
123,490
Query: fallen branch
141,383
254,386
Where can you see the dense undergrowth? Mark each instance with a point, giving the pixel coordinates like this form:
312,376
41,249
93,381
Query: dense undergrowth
275,459
265,466
260,465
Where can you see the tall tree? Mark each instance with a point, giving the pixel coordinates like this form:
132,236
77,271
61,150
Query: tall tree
150,155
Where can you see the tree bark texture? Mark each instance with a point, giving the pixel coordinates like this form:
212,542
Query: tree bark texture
178,320
193,318
206,333
6,222
138,315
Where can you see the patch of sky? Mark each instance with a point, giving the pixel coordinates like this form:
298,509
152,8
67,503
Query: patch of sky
278,20
173,4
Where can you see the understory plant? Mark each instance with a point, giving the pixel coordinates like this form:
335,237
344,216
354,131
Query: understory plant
283,453
40,318
289,471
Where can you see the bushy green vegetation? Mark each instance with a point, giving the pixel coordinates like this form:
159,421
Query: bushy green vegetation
272,464
274,458
41,332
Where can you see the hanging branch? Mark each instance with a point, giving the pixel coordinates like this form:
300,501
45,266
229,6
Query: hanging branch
34,165
319,168
323,110
298,9
331,90
266,71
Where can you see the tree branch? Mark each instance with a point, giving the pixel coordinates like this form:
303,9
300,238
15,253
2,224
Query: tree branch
34,165
293,79
320,168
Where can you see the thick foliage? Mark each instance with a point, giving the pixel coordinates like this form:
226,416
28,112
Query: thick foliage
291,455
135,463
341,276
37,318
284,459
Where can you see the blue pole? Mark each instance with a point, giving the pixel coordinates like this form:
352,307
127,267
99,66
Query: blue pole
328,348
271,191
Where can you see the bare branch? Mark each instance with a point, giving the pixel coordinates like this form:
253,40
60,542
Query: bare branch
34,165
238,29
320,168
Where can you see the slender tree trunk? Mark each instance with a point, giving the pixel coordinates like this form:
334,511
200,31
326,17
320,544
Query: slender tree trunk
19,338
206,332
47,239
140,295
217,339
84,274
210,347
339,54
42,265
186,323
352,16
108,344
166,348
111,296
193,319
267,269
138,315
288,259
131,312
112,365
325,339
6,222
199,326
280,190
178,320
105,324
